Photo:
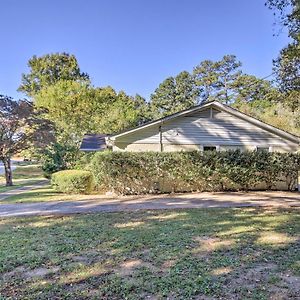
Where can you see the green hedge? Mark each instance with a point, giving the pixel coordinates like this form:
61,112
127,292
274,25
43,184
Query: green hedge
73,181
154,172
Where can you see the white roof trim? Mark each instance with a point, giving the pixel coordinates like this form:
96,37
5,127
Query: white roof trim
220,106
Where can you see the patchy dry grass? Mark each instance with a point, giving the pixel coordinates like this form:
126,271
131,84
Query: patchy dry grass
248,253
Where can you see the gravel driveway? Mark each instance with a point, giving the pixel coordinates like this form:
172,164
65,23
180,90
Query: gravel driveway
191,200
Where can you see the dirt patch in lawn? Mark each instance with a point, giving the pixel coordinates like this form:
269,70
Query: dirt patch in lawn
221,271
16,273
263,277
292,281
41,272
207,244
22,272
81,259
168,264
128,267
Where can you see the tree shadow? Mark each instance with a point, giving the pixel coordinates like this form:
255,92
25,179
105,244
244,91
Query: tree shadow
177,253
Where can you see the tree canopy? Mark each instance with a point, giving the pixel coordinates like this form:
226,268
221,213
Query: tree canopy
216,80
77,108
287,65
174,94
20,127
49,69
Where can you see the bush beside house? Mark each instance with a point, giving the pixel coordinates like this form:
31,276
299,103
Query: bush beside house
73,181
158,172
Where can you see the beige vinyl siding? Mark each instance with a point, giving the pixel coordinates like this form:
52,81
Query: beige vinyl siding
237,147
209,127
176,147
221,129
136,147
149,135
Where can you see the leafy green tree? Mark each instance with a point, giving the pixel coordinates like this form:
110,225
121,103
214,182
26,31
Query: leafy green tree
287,65
163,98
287,68
143,109
186,92
49,69
206,79
77,108
20,127
58,156
69,106
228,70
282,116
174,94
257,93
121,113
216,80
288,13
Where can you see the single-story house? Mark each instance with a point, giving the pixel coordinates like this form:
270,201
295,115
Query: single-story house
210,126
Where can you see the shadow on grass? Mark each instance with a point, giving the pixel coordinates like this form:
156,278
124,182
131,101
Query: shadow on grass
180,254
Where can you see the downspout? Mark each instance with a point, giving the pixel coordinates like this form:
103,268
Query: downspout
160,139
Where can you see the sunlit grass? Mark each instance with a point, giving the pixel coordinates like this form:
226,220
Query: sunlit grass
183,254
24,174
43,194
275,239
28,171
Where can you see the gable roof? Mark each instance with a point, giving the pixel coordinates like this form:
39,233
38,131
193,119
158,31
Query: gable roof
220,106
93,142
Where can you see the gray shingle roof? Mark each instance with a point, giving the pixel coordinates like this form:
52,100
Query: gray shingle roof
93,142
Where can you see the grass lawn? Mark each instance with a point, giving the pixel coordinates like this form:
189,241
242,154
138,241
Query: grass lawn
24,174
249,253
43,194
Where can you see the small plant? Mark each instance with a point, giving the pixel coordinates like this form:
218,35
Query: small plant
72,181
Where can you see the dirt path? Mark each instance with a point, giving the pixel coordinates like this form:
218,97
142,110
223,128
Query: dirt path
192,200
23,189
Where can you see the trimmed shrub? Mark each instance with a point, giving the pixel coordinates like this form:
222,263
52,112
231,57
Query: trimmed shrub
160,172
72,181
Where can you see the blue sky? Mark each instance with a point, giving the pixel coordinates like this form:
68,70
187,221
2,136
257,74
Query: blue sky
133,45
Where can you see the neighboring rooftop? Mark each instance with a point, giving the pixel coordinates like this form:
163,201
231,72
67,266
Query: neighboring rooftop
93,142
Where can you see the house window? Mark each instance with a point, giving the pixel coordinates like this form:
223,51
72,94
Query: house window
209,148
262,149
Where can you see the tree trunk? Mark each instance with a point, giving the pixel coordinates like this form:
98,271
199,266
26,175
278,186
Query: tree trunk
8,172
